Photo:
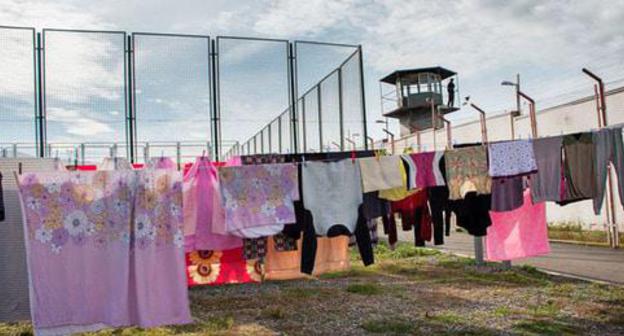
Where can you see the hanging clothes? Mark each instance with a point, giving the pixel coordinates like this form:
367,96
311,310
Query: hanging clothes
380,173
221,268
520,233
332,256
467,171
398,193
511,158
108,238
507,193
332,197
423,169
608,148
546,182
258,199
162,162
472,213
14,294
414,216
116,163
579,164
440,213
203,208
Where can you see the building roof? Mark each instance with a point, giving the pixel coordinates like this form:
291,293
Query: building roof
443,72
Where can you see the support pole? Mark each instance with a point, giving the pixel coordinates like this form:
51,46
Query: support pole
602,107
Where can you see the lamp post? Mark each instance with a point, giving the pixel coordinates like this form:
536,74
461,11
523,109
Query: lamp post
391,135
372,142
519,94
433,120
385,122
449,135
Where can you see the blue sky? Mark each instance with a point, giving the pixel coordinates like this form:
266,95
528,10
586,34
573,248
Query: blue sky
485,41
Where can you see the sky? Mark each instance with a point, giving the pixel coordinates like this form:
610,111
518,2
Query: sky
484,41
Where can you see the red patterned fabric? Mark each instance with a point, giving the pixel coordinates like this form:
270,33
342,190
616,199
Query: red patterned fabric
221,267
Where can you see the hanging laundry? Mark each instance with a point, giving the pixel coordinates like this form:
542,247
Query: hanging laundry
381,173
609,148
414,216
203,208
507,193
332,255
467,171
579,164
284,243
399,193
440,213
15,301
162,162
255,248
546,182
520,233
511,158
116,163
258,199
423,169
221,267
332,197
109,238
472,213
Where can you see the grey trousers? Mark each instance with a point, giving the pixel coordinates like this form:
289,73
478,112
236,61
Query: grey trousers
609,147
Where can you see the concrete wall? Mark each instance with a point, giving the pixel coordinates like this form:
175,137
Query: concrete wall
579,115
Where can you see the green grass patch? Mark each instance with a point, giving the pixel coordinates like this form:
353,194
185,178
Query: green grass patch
548,309
368,288
502,311
544,327
273,312
449,317
391,326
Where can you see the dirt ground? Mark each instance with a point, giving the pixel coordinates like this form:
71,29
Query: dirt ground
409,291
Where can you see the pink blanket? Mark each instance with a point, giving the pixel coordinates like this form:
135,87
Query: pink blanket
520,233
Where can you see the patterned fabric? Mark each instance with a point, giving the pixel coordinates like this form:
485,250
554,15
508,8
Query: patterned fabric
381,173
254,248
119,232
203,210
511,158
467,171
221,267
117,163
162,162
284,243
258,199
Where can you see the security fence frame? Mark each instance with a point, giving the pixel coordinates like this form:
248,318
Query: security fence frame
286,132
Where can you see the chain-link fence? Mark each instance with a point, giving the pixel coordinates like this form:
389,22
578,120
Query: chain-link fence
83,95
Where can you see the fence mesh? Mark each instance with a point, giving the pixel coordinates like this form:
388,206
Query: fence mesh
17,92
253,87
84,87
172,92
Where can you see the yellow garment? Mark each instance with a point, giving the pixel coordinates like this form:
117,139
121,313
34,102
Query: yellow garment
397,194
332,255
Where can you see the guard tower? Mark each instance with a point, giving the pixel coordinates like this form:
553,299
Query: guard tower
421,96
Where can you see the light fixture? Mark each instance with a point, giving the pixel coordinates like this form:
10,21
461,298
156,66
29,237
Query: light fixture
508,83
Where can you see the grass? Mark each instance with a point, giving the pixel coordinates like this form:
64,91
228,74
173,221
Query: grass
572,231
409,291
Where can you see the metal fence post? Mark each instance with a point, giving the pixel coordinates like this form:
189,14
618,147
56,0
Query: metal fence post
82,153
292,94
14,150
340,111
40,94
146,152
363,95
216,101
320,116
179,154
129,88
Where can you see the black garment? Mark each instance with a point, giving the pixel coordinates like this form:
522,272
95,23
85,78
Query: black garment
473,213
440,213
1,201
507,193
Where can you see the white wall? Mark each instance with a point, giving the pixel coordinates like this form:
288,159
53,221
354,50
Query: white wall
579,115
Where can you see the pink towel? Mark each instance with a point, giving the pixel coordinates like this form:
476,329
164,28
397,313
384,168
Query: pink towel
520,233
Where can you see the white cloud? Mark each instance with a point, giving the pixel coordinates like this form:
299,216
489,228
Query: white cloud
78,124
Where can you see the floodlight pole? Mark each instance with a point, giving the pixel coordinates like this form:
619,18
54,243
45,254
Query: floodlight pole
391,139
